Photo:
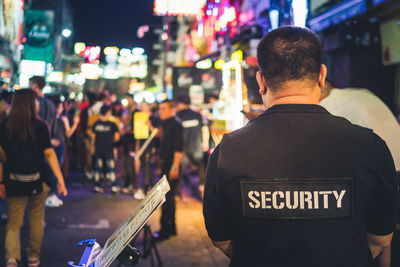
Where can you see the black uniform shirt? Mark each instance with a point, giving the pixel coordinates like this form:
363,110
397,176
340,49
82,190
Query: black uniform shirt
192,122
298,186
104,140
172,141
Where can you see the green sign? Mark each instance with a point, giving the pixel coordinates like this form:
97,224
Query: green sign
39,34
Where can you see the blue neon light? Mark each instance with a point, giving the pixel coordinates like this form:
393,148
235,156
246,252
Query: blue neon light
338,14
377,2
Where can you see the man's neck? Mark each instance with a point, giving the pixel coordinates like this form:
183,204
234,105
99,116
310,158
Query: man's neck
293,93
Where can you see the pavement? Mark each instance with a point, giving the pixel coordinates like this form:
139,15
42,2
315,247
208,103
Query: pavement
86,215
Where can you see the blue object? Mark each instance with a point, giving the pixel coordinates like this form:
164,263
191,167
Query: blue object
338,14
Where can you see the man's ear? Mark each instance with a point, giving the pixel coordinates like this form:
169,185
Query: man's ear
261,83
322,76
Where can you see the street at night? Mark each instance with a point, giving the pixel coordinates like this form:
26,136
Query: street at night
241,133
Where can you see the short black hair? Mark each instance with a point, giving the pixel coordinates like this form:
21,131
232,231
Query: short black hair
184,99
39,81
104,109
101,96
169,102
289,53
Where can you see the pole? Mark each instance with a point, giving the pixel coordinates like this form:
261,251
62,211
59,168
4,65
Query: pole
166,51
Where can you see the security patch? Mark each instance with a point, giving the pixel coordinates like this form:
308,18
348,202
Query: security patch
297,198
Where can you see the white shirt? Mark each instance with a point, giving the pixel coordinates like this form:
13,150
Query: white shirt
362,107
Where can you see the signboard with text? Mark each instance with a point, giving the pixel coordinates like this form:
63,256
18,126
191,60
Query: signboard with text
39,34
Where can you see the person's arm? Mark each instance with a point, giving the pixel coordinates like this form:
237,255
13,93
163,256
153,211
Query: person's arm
51,158
178,153
3,194
225,246
69,131
205,138
383,210
217,217
116,137
174,172
377,244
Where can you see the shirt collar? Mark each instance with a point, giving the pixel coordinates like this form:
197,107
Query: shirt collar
296,108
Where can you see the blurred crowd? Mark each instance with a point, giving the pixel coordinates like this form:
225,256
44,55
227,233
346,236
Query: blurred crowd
98,137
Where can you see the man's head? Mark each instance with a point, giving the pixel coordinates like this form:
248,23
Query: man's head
37,83
288,56
105,111
182,102
166,110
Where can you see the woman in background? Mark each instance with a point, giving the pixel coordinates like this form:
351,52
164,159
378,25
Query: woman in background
25,146
61,130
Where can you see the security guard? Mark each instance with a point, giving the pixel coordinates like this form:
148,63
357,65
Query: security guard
298,186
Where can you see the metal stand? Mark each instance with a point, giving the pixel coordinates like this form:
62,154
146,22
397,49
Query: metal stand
129,257
150,247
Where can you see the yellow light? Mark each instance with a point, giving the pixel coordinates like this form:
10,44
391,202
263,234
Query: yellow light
111,50
218,64
79,48
204,64
238,55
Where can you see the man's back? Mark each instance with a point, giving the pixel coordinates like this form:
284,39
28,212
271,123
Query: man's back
192,123
326,173
362,107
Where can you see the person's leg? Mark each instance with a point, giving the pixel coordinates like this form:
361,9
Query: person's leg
168,211
36,208
98,168
15,214
111,175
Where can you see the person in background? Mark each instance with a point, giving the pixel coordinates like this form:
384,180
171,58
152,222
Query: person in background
195,138
360,106
93,116
25,141
171,153
61,130
83,140
47,110
105,134
128,143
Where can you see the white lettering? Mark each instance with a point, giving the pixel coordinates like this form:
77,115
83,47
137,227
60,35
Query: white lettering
306,196
275,200
295,200
264,202
255,200
316,200
339,198
326,196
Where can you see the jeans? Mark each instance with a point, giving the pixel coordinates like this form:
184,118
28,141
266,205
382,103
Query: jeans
15,213
109,162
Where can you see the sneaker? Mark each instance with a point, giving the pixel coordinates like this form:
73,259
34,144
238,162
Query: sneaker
11,263
128,190
53,201
33,262
115,189
89,175
139,194
98,189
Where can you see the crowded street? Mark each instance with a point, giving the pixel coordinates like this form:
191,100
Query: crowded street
260,133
